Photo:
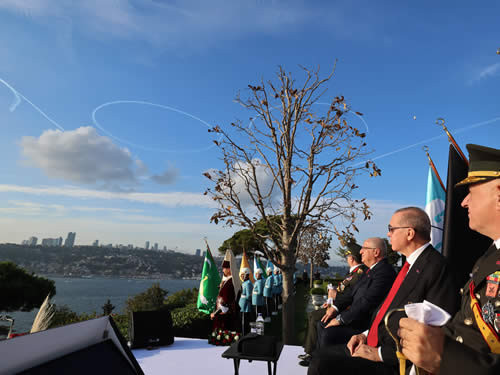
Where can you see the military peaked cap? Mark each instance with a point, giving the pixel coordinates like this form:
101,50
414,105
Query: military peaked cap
354,249
484,164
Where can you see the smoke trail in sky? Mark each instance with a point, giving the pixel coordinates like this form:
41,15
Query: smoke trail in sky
17,101
456,131
18,96
96,123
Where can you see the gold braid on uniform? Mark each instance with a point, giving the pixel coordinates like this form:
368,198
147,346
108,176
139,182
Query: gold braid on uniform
489,334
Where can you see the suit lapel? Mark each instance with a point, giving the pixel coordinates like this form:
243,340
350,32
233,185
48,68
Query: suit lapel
411,279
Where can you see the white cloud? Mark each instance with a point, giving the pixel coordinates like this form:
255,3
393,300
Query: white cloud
175,199
489,71
47,208
485,73
242,178
142,168
81,156
176,23
166,178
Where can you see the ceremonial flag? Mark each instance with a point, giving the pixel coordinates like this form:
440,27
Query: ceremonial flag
257,264
434,206
461,245
270,265
209,285
246,264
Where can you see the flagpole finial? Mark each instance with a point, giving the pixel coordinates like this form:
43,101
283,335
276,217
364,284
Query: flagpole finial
426,150
440,122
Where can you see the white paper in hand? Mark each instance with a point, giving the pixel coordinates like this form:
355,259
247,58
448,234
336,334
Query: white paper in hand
428,313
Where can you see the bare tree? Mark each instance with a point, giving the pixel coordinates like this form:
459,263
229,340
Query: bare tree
294,160
313,248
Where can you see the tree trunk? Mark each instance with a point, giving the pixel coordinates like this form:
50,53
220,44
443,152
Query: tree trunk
288,312
311,275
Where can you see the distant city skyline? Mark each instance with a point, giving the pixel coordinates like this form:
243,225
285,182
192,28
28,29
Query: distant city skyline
70,242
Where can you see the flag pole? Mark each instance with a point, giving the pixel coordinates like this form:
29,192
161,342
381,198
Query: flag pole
208,247
440,122
431,164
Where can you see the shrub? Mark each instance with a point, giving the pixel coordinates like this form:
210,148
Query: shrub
181,298
21,290
152,299
63,315
317,291
318,282
190,322
121,321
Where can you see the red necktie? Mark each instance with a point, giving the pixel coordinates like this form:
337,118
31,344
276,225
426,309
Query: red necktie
372,339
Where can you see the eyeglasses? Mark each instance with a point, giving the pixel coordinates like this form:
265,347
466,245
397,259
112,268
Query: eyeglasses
392,229
368,248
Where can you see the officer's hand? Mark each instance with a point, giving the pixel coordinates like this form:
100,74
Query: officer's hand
367,352
212,316
422,344
330,313
355,341
333,323
325,305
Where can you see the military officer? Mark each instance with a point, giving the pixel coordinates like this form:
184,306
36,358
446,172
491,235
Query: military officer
469,343
356,270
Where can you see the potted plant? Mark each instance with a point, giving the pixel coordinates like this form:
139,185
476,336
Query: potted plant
318,296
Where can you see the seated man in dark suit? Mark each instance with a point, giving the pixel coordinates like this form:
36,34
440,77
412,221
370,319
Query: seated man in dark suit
425,276
351,312
356,271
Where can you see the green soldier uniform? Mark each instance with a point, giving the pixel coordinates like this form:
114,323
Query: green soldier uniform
472,341
349,281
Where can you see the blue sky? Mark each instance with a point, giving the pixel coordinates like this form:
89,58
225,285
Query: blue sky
105,105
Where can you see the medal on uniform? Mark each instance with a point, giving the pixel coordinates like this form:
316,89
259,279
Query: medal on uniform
488,311
493,281
497,322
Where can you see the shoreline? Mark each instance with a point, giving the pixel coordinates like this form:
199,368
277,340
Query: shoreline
135,277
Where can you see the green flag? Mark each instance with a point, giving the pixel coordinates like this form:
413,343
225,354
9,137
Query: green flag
209,285
258,264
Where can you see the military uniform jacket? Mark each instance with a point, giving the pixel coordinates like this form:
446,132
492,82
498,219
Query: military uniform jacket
276,284
268,287
366,295
465,349
429,279
257,294
351,279
246,296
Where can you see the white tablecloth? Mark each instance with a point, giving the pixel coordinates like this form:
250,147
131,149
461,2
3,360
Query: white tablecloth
193,356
